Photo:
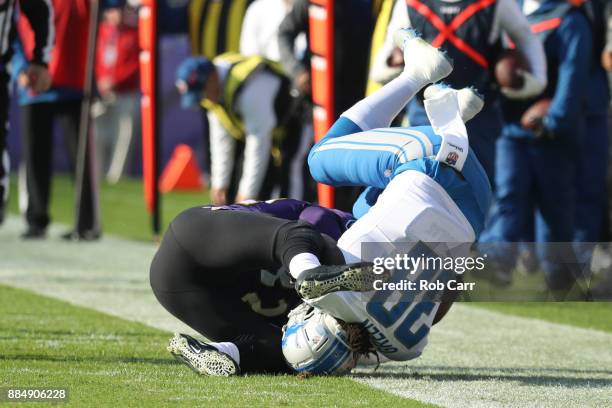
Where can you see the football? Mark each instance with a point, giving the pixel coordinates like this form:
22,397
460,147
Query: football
507,67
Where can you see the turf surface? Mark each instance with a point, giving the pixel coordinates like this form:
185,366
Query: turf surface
123,214
590,315
106,361
122,207
109,361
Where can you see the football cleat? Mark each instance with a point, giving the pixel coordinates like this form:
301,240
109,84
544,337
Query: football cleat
202,358
422,61
470,101
325,279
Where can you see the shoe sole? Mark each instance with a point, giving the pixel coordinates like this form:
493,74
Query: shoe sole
357,279
207,362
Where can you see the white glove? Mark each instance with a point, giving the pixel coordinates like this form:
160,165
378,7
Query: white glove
531,87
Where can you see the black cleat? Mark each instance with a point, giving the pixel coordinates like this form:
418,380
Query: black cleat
87,235
324,279
34,233
202,358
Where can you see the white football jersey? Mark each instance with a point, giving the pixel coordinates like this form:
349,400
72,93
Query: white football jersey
412,208
398,329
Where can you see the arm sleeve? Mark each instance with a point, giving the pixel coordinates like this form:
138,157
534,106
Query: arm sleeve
574,49
511,19
294,23
381,71
40,15
248,34
608,19
19,61
222,146
256,105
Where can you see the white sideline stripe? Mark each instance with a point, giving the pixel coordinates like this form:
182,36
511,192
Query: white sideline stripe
111,276
480,358
476,358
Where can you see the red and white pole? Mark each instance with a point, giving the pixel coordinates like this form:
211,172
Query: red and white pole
321,19
148,39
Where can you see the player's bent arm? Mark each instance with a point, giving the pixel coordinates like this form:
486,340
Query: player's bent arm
40,16
256,158
256,105
222,146
512,21
381,71
575,61
248,33
608,14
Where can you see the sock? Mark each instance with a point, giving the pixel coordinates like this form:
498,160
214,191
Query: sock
380,108
302,262
445,118
228,348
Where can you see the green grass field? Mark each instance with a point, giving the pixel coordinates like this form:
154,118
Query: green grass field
482,354
596,315
123,214
105,361
122,207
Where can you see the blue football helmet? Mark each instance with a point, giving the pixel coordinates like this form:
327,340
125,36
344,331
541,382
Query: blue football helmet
315,343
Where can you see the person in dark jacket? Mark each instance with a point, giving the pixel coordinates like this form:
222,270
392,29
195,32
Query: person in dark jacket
60,104
537,156
39,14
591,192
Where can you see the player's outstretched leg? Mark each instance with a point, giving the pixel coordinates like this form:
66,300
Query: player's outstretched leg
423,65
201,357
324,279
345,156
470,101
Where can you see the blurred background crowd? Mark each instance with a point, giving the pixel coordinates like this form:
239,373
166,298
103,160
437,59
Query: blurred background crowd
235,85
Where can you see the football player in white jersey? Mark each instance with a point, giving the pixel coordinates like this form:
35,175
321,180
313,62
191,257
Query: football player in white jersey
423,185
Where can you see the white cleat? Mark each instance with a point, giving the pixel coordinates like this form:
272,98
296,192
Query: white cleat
422,61
201,357
470,101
